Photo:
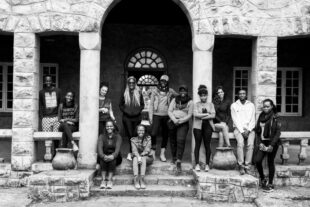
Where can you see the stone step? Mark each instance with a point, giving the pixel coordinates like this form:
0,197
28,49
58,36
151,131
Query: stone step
170,180
157,168
151,190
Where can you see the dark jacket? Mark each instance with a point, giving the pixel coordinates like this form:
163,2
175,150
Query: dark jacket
45,111
71,113
275,132
131,111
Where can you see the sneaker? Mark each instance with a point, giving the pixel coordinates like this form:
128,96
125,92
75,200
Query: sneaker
109,184
241,170
162,155
142,182
197,168
269,188
75,147
136,182
179,168
103,184
247,169
207,168
263,183
129,157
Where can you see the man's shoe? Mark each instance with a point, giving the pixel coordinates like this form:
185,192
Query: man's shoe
241,170
263,183
269,188
179,168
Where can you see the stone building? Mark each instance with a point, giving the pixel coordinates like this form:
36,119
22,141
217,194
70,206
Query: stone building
252,44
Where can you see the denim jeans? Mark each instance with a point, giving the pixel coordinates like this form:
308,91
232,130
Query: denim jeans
177,140
249,147
159,122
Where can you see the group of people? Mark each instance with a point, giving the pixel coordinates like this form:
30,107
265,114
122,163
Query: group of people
170,113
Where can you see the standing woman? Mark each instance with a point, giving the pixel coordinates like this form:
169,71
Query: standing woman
180,111
141,150
131,104
158,114
109,144
222,117
204,114
68,117
105,107
268,134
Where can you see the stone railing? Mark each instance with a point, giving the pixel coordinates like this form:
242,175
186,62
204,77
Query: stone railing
286,137
49,137
301,136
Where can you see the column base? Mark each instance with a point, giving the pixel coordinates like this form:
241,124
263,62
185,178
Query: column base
87,160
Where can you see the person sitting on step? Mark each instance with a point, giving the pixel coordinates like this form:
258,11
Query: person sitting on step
109,144
141,150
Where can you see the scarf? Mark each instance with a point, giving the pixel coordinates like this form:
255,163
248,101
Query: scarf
267,120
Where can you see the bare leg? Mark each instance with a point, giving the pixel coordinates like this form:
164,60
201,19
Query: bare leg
221,139
226,135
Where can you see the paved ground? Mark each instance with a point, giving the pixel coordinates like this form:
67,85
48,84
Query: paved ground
284,197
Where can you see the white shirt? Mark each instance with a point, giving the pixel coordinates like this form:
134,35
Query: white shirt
243,115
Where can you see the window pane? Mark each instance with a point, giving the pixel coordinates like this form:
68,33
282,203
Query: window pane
53,70
289,74
295,74
9,104
238,74
288,108
279,108
295,83
288,100
238,82
295,108
288,83
295,100
295,91
46,71
288,91
10,95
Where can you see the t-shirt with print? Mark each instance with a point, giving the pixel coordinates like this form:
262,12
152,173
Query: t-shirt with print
49,100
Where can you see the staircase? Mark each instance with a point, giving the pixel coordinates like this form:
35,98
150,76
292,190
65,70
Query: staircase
160,179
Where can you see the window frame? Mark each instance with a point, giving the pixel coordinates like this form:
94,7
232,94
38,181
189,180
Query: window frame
234,80
283,91
5,66
42,76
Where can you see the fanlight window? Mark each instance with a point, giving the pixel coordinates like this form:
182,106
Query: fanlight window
146,59
147,80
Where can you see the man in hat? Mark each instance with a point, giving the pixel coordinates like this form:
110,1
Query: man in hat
158,114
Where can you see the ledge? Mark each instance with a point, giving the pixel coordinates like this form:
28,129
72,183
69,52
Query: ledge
5,133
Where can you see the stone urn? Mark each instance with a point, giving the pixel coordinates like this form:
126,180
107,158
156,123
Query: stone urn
224,159
64,159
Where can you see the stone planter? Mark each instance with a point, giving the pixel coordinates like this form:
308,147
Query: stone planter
224,159
64,159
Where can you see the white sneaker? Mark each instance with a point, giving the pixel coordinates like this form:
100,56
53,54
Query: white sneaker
197,168
129,157
75,147
207,168
162,155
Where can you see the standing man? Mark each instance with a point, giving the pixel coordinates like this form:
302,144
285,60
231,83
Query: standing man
49,100
243,116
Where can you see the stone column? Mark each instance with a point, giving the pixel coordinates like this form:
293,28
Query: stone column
90,45
202,73
25,102
264,71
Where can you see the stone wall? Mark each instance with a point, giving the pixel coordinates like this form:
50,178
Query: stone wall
243,17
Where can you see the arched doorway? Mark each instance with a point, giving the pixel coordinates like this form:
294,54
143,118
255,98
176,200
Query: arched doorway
153,28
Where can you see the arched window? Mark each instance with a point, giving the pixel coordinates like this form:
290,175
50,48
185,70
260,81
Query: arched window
146,58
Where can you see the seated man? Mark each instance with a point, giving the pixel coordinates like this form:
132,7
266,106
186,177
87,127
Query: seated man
243,116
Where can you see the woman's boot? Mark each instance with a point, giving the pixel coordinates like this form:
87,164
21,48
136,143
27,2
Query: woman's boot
162,155
136,182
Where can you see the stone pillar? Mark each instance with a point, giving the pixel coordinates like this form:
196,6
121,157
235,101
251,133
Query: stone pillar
90,45
25,102
202,73
264,71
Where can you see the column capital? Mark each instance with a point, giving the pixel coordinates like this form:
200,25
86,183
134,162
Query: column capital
267,41
90,41
203,42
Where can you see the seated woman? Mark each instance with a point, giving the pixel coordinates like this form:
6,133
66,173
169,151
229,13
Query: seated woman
68,117
109,144
141,150
105,107
268,141
222,117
